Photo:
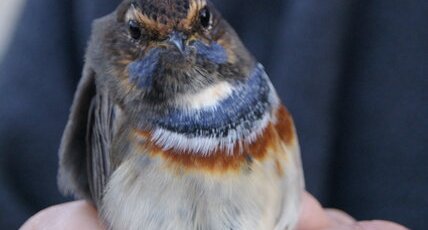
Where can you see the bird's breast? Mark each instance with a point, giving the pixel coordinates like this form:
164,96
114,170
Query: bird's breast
240,125
266,145
237,169
164,189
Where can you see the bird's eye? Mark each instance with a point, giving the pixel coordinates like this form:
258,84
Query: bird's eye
205,18
134,29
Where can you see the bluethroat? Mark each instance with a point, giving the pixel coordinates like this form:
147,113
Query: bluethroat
175,125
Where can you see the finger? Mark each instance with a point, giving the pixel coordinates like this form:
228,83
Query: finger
379,225
312,215
339,217
74,215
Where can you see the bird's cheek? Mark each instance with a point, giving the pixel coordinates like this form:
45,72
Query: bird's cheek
213,52
142,71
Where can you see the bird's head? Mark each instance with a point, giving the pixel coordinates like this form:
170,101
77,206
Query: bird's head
168,52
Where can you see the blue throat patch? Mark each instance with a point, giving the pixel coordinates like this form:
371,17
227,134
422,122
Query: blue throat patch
142,71
214,52
248,103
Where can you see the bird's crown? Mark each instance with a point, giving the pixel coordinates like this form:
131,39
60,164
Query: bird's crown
164,15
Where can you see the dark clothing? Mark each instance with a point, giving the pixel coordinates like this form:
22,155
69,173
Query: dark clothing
353,73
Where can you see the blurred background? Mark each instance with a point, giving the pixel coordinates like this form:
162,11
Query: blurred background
9,14
353,73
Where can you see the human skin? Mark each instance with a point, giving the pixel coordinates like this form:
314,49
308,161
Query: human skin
83,216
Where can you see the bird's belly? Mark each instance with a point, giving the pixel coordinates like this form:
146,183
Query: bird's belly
142,194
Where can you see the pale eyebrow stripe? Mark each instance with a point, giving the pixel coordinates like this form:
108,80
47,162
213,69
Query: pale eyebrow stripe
194,8
134,14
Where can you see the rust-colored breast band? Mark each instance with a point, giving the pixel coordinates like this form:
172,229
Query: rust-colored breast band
219,161
284,125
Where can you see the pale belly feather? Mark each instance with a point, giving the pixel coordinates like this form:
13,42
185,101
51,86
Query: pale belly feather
143,194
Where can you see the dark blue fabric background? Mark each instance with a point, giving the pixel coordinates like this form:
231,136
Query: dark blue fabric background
353,73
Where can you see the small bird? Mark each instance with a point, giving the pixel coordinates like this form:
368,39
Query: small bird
175,125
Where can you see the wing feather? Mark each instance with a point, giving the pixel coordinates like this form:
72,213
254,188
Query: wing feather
99,140
85,164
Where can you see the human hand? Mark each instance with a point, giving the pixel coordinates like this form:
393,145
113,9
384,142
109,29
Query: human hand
69,216
81,215
314,217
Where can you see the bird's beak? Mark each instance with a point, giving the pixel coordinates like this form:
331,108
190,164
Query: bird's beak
178,40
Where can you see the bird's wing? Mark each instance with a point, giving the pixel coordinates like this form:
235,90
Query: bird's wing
84,152
101,128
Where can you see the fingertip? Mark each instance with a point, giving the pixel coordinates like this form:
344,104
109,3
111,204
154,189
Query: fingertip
339,216
379,225
312,215
73,215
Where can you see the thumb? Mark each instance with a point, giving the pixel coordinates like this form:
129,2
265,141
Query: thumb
312,215
74,215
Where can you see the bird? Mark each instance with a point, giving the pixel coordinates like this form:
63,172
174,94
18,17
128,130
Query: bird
176,125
